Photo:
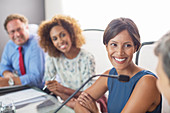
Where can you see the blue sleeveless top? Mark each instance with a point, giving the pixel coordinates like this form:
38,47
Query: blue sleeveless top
119,92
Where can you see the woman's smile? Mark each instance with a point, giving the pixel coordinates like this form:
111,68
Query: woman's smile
120,60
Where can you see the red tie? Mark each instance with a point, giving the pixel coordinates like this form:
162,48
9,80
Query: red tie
21,62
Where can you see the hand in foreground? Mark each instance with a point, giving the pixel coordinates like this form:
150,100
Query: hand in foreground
3,82
54,87
88,102
8,74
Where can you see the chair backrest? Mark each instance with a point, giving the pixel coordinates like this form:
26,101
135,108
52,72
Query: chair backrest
146,58
94,44
33,28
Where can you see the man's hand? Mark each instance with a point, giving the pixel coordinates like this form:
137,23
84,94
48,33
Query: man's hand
4,82
8,74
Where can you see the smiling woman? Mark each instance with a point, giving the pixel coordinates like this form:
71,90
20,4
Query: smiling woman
61,37
122,40
61,40
121,53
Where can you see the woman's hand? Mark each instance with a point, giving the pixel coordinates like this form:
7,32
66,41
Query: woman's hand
54,86
88,102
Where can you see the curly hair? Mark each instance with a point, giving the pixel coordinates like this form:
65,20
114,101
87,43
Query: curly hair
22,18
69,24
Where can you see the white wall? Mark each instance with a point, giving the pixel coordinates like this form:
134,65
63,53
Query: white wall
151,16
53,7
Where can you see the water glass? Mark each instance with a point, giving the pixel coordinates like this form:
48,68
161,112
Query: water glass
7,107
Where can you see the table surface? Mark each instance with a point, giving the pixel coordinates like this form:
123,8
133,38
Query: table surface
47,104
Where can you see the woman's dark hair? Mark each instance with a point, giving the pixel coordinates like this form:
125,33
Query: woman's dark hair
118,25
69,24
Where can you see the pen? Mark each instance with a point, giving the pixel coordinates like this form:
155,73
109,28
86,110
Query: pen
46,85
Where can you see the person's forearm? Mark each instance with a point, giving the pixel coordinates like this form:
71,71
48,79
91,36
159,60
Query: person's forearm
62,95
80,109
17,81
4,81
69,92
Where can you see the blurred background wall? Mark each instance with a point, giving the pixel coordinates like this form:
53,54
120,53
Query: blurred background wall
34,10
151,16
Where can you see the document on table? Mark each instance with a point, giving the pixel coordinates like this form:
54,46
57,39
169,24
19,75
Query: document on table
24,96
8,89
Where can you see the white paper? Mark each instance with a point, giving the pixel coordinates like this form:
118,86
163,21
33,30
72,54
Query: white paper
29,95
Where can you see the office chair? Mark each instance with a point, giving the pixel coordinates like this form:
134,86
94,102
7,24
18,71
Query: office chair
146,58
33,28
94,44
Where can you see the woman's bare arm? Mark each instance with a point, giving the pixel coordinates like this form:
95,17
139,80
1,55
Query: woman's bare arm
145,96
95,91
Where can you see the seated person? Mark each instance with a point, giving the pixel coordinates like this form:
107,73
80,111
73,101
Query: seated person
61,37
22,61
162,50
140,94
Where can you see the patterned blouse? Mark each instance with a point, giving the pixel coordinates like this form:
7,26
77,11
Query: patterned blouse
71,73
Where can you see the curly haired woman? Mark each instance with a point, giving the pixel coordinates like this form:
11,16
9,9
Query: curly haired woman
61,37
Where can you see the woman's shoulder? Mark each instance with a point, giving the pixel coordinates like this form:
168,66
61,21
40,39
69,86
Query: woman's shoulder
144,76
148,73
50,58
148,79
107,71
85,53
112,71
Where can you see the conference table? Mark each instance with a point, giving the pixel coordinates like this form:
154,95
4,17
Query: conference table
32,100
